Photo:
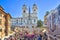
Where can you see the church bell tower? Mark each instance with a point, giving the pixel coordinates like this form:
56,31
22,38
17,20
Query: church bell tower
24,10
34,8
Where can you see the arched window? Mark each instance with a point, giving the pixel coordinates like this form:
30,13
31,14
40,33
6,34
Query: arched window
34,9
24,11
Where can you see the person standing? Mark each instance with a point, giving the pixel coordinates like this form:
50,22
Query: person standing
40,37
45,36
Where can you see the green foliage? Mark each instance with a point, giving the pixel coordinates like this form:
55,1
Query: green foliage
39,23
47,12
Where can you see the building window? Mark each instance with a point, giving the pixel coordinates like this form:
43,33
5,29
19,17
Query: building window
34,20
24,11
0,29
32,26
54,15
17,21
24,21
0,15
0,21
34,9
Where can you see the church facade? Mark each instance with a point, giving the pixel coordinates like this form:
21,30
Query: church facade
28,19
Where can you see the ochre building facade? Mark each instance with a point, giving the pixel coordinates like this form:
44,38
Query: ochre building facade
4,23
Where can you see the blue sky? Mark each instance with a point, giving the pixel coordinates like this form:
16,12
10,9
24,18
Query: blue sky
14,7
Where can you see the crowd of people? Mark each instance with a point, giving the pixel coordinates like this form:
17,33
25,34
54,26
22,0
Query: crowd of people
27,35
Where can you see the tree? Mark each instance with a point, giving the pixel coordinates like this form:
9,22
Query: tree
47,12
39,23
